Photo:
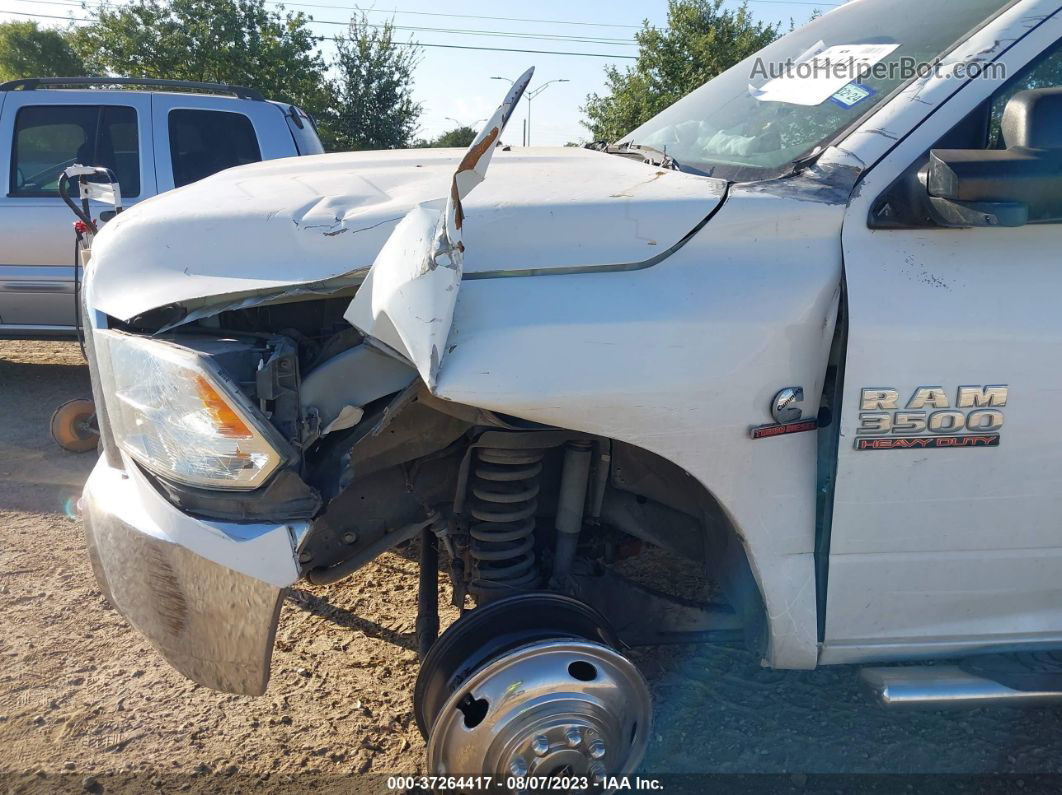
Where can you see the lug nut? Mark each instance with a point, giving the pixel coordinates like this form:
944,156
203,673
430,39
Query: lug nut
574,736
540,745
305,556
597,773
350,538
518,767
597,749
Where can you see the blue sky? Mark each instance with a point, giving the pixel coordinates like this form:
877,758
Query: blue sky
456,83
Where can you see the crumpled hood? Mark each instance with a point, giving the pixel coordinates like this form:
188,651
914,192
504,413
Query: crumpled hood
268,226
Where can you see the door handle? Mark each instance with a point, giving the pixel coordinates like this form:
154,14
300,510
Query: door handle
35,287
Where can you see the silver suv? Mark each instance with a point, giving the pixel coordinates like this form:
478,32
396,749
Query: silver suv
154,141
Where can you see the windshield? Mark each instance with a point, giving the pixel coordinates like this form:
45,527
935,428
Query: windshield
755,119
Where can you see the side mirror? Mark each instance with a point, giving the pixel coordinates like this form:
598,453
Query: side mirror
1003,187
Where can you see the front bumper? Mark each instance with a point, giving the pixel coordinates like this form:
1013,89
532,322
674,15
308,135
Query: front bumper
206,594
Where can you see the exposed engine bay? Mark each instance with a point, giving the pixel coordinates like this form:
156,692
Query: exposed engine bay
516,505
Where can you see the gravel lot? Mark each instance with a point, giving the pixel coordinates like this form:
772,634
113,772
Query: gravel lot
86,704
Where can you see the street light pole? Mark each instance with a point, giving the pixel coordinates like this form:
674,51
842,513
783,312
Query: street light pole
460,123
530,96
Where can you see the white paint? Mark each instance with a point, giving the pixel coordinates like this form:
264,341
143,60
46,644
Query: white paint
942,552
288,222
407,299
683,357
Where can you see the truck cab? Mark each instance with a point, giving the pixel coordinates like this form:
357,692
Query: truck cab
153,140
794,334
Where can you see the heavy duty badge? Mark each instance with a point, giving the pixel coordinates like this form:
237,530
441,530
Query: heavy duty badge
929,420
786,411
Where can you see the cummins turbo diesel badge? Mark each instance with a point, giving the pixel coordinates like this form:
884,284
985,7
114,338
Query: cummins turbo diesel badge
930,418
785,408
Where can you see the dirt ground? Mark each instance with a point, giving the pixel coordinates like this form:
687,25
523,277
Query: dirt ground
85,703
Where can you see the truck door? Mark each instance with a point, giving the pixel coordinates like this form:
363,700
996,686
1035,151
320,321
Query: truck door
196,136
43,132
947,523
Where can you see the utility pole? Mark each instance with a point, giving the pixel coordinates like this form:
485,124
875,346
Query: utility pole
530,96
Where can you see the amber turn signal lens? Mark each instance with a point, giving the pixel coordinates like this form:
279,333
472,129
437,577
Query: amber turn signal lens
226,420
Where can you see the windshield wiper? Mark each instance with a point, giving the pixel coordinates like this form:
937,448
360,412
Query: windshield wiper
652,156
655,157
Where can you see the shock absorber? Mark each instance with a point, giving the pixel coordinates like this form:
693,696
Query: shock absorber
504,496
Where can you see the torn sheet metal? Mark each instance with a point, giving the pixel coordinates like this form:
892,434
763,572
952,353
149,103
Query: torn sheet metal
407,299
268,231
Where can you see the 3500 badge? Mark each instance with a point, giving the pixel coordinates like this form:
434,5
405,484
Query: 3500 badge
929,419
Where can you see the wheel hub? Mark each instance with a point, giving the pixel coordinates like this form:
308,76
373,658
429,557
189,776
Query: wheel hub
561,746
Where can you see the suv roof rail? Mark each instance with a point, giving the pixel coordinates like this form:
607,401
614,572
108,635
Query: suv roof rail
33,83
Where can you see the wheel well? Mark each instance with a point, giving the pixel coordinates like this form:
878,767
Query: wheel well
410,459
659,483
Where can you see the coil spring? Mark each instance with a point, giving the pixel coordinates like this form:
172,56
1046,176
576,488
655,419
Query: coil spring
504,487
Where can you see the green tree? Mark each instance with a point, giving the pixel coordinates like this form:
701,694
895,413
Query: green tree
702,39
229,41
459,136
372,95
26,50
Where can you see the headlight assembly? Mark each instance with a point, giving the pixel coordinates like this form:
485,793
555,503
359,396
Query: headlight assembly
174,412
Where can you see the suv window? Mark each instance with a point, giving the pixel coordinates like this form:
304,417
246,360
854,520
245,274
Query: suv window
203,142
48,138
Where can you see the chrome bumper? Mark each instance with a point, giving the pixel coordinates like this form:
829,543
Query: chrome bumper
206,594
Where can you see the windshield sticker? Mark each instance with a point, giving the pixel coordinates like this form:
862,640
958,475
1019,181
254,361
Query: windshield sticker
852,94
821,74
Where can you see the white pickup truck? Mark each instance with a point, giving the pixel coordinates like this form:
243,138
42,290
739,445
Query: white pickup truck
784,335
153,140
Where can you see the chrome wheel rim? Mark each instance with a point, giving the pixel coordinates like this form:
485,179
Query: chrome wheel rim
554,708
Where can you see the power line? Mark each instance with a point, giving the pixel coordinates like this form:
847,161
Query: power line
450,31
45,16
496,33
503,19
796,3
479,31
460,16
548,37
503,49
397,43
503,33
398,11
523,19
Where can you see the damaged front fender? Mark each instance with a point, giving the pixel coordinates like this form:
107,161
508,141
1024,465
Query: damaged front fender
407,300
